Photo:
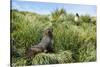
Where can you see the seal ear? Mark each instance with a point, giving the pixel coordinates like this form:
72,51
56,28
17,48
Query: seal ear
50,29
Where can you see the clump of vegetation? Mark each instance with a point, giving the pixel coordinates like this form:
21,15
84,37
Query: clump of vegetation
72,43
47,58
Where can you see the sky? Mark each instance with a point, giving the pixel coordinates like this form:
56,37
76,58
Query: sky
47,8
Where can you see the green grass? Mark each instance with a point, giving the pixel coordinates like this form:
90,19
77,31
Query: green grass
71,43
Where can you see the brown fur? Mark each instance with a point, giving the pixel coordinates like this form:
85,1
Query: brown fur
43,46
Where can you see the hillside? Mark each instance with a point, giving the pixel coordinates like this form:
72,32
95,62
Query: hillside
72,42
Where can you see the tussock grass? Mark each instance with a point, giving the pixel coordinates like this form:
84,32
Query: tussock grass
72,42
47,58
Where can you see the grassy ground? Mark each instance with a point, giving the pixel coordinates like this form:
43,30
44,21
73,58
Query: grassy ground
72,42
